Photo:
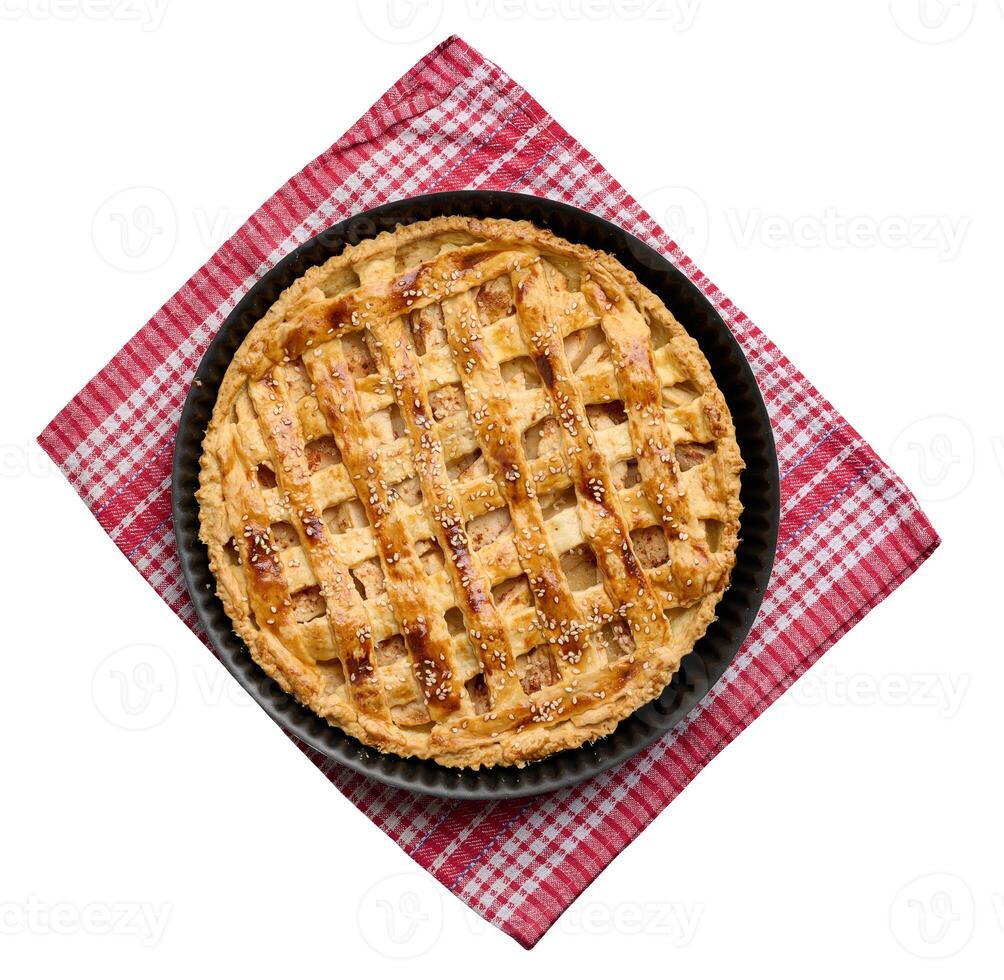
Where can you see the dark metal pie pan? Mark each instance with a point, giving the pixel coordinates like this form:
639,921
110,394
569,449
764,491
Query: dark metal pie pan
699,670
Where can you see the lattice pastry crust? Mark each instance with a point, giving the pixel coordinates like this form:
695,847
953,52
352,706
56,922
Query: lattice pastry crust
470,492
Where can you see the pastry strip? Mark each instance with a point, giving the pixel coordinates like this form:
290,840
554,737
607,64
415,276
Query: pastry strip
267,593
450,273
558,616
602,523
627,333
409,590
346,617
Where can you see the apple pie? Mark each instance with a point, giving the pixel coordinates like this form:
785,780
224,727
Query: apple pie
470,492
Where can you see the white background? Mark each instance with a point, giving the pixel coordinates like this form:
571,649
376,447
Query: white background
835,168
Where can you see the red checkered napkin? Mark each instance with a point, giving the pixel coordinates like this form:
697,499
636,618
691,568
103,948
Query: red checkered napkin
850,530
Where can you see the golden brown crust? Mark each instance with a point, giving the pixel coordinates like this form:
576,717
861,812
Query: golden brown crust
470,492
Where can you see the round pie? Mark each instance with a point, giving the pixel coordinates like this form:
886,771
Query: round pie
470,492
